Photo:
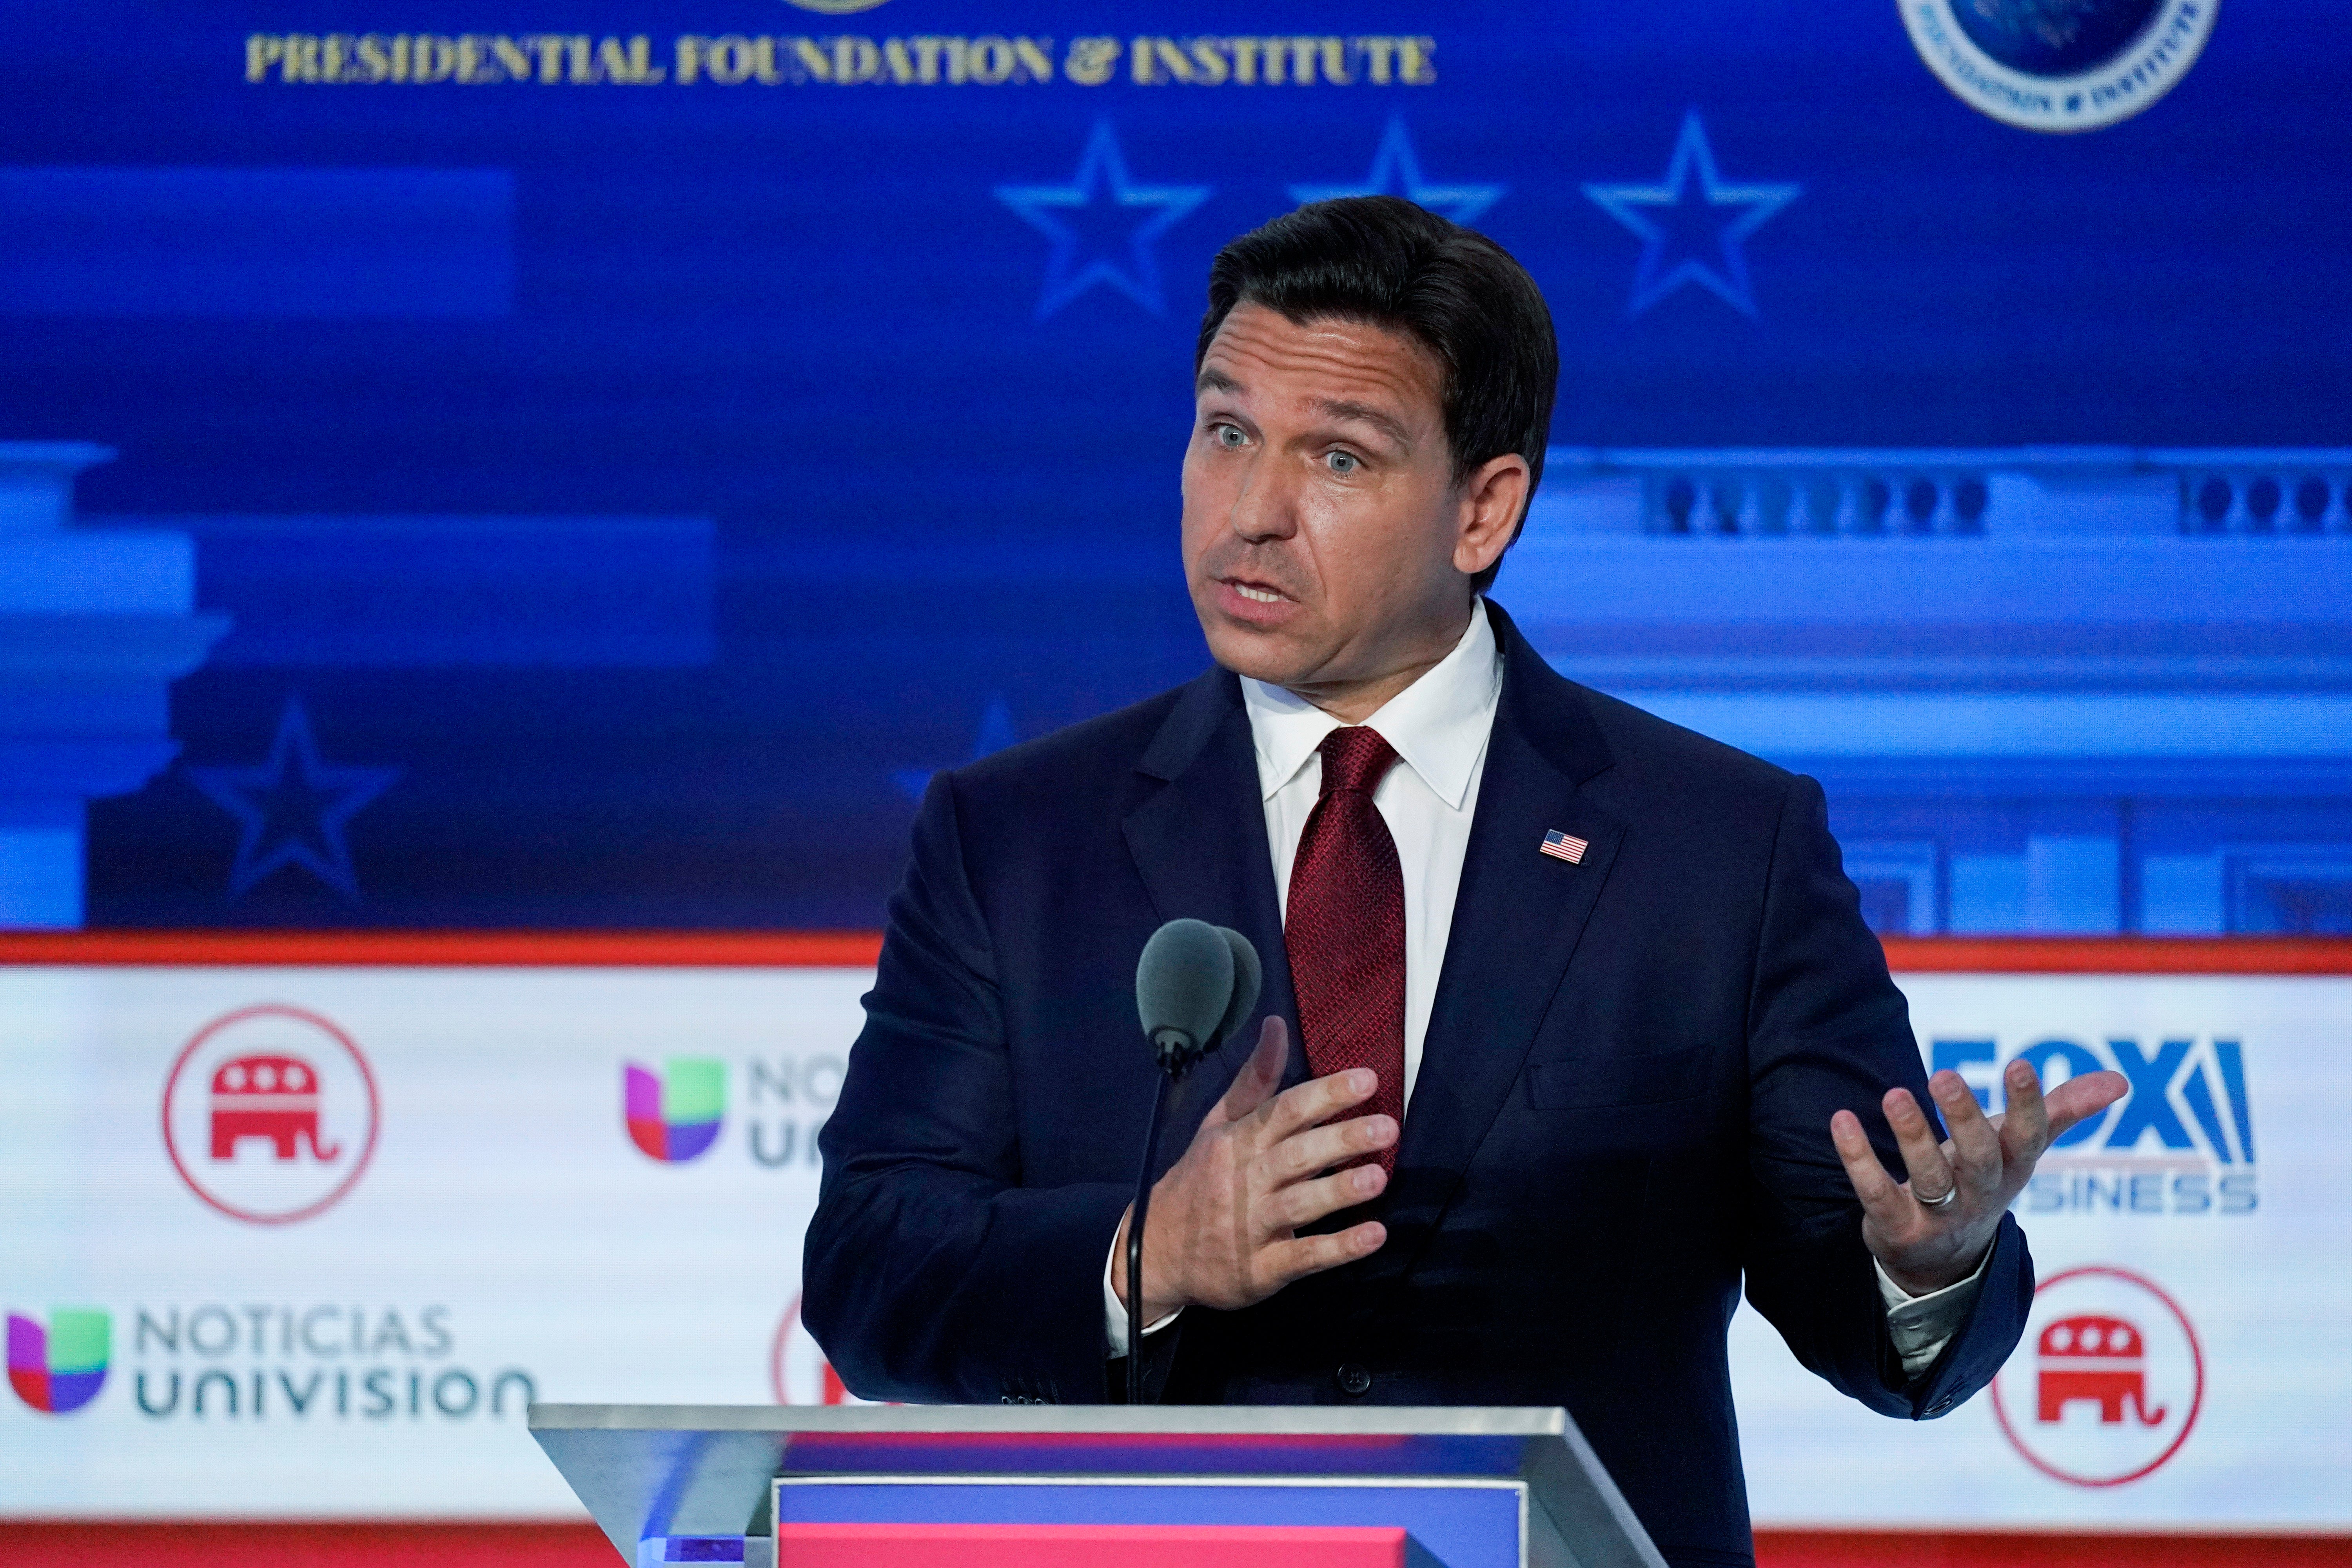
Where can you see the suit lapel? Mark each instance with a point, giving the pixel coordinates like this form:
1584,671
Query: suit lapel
1199,843
1518,919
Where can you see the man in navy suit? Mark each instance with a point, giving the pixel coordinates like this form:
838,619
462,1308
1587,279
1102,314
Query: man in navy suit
1566,1010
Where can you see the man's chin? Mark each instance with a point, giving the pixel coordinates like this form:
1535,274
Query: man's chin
1273,657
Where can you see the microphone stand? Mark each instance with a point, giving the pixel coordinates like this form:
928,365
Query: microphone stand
1177,1054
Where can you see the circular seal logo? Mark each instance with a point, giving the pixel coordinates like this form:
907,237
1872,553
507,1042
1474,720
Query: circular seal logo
798,1372
2109,1381
2059,65
270,1114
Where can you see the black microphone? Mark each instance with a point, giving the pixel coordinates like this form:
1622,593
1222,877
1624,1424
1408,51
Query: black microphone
1194,985
1183,985
1247,977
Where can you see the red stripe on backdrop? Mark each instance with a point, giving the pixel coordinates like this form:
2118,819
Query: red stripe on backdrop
858,949
361,1545
437,949
2044,1549
2120,955
75,1543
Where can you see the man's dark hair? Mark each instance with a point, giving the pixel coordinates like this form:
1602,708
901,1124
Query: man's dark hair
1386,262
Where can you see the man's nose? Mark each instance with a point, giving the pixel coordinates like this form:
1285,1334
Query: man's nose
1262,509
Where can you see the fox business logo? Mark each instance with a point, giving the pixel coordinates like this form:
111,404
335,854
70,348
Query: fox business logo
2180,1142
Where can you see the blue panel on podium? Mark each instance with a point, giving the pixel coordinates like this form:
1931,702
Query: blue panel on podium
1464,1522
1156,1453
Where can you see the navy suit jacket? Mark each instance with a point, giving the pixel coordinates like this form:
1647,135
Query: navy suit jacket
1623,1105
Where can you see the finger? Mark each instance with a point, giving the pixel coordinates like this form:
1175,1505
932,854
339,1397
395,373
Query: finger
1976,1151
1260,1076
2084,1095
1301,1256
1929,1172
1872,1185
1304,1202
1318,1100
2025,1130
1317,1149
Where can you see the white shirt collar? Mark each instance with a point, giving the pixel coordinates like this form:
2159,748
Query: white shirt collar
1438,725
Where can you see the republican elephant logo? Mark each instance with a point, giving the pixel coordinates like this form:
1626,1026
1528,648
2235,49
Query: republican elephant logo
270,1113
2096,1357
2113,1383
266,1095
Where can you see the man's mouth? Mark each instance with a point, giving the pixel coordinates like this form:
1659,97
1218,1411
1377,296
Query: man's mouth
1256,592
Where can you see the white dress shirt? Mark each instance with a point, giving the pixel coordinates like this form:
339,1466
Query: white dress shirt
1439,727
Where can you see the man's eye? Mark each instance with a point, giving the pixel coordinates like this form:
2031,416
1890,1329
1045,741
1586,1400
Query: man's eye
1226,435
1344,462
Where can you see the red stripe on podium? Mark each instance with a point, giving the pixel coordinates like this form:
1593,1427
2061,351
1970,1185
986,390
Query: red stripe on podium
361,1543
1088,1546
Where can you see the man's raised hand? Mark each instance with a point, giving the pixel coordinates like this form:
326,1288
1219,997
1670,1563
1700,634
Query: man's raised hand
1223,1220
1925,1243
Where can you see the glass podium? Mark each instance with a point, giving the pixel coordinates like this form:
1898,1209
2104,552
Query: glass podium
1043,1486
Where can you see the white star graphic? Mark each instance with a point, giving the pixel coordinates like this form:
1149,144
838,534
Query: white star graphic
1101,167
1640,208
1396,171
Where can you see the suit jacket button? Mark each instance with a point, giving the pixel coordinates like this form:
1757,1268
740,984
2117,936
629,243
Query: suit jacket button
1353,1379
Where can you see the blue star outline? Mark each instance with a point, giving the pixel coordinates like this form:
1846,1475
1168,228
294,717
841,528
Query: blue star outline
1692,179
1102,174
292,809
1396,171
996,732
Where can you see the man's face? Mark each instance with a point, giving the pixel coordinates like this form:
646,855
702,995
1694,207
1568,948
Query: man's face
1326,546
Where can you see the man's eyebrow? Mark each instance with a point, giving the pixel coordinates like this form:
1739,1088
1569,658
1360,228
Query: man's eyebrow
1214,380
1379,419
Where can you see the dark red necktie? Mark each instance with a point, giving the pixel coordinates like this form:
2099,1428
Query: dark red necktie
1345,928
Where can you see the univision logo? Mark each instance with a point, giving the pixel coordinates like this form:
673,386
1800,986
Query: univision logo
674,1115
61,1367
677,1114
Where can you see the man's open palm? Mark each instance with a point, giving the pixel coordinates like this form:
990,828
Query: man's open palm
1924,1243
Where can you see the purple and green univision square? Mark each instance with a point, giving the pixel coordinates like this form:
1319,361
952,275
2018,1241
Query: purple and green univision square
675,1115
61,1367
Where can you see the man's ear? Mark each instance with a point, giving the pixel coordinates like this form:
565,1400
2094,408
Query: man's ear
1490,504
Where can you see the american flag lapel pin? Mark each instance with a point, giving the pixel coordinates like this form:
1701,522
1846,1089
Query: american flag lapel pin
1564,847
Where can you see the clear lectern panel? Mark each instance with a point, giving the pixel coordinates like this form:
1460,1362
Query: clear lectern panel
1455,1487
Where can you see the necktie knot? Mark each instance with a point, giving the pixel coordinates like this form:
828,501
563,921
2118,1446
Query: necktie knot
1354,758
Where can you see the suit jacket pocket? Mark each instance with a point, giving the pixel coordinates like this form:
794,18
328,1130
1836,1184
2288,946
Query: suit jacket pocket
1592,1082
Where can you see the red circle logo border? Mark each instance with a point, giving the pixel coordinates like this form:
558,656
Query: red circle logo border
359,1166
776,1351
2197,1354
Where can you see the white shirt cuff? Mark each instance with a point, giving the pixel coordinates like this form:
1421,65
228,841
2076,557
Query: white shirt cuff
1114,1310
1921,1326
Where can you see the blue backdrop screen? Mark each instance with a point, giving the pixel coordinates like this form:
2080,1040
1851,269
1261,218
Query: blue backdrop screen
620,451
